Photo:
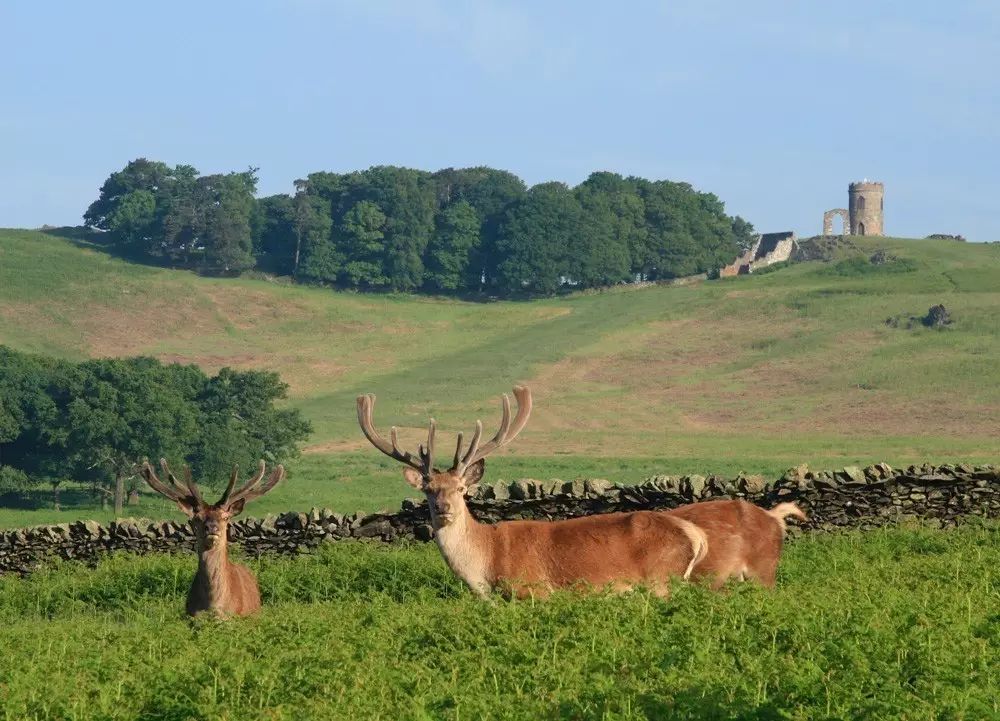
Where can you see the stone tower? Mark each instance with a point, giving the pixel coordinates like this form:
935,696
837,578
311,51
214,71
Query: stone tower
865,206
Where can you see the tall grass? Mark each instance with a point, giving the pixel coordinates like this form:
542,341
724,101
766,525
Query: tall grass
892,624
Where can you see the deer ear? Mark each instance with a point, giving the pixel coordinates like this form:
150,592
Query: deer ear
414,477
474,473
236,507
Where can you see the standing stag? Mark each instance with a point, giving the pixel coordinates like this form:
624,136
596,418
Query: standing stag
220,586
620,550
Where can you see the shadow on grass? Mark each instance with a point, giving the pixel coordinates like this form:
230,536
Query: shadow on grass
71,499
698,704
90,239
701,704
84,237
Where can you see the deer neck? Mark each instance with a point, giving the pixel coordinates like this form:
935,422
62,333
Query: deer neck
466,544
213,573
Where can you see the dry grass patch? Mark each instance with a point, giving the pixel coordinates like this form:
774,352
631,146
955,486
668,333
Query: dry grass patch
341,446
137,323
249,308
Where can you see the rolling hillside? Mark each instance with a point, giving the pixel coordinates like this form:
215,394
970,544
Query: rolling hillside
754,373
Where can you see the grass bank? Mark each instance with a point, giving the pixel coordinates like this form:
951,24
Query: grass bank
753,373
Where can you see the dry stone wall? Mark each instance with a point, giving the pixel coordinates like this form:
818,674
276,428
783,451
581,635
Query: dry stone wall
848,498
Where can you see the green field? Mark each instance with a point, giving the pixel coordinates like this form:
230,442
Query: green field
892,624
755,373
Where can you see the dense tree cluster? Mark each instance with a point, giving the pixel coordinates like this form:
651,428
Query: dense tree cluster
149,208
468,230
95,421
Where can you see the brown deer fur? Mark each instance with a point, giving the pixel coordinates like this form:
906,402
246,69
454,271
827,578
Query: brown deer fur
617,550
531,558
744,540
220,586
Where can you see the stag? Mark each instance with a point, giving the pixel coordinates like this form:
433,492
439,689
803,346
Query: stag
529,558
744,540
220,586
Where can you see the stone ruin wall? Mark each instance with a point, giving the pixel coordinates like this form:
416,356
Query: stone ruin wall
741,265
848,498
770,248
782,252
828,217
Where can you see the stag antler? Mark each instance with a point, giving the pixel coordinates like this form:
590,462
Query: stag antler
505,435
189,493
251,489
423,461
173,490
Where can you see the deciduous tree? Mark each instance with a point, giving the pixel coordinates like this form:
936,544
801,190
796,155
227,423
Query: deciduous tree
362,234
448,256
95,421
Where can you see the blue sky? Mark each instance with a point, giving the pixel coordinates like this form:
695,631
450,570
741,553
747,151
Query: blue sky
774,105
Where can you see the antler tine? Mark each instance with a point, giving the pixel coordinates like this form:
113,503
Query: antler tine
458,451
508,431
159,486
473,447
252,490
427,454
246,487
366,404
504,419
183,490
192,486
232,484
395,443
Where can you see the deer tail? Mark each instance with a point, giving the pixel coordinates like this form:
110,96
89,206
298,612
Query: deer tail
699,544
783,510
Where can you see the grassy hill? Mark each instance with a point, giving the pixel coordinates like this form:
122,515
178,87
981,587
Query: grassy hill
755,373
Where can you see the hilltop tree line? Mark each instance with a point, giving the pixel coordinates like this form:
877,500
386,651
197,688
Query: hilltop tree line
469,230
95,421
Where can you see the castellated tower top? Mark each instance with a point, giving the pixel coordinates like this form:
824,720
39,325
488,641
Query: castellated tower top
865,185
866,203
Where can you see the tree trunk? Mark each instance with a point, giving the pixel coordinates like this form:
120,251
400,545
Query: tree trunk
119,493
298,246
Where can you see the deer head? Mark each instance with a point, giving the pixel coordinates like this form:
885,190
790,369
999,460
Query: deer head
210,521
445,490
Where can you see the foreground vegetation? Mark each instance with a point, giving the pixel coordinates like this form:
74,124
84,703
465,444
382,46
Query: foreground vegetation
754,373
892,624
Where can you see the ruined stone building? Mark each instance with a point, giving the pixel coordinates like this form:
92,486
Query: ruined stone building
769,248
863,215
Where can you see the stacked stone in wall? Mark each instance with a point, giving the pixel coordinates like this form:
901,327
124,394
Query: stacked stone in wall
848,498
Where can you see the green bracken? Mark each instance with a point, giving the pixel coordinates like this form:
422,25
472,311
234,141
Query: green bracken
892,624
